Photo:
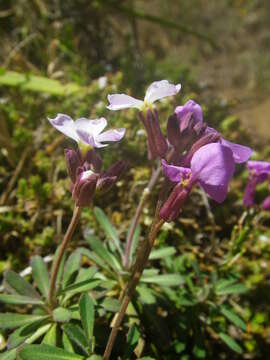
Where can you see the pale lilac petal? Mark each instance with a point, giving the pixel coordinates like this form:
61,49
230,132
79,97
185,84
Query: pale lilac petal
240,153
93,127
111,135
259,167
65,125
86,138
213,166
123,101
175,173
266,203
160,89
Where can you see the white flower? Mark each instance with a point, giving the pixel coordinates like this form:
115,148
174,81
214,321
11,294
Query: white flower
156,91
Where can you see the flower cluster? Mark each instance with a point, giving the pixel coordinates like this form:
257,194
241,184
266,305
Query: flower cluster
84,164
259,172
192,153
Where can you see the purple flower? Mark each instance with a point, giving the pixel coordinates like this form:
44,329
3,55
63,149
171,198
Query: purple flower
156,91
212,166
87,133
258,173
266,203
241,153
84,187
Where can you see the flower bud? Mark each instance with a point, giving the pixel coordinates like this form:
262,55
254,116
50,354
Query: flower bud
266,203
207,138
117,169
109,177
94,160
73,161
84,188
157,144
172,206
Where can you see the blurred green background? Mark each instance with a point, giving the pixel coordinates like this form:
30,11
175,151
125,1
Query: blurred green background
66,56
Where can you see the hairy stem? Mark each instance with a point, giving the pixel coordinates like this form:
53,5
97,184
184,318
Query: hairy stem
62,248
139,266
145,195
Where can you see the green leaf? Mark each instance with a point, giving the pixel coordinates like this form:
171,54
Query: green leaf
19,299
67,344
14,283
51,337
163,252
20,335
229,341
72,267
135,241
61,315
46,352
81,286
111,304
95,357
108,228
164,280
132,340
38,84
231,289
9,355
40,275
11,320
61,268
234,318
146,294
103,253
76,335
87,313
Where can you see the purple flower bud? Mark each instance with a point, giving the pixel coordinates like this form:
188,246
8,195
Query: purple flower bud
94,160
172,206
266,203
157,144
73,161
84,188
105,183
109,177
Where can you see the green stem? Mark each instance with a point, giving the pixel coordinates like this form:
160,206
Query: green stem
62,248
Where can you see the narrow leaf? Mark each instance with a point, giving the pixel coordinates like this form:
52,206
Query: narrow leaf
108,228
51,337
229,341
87,313
40,275
76,335
162,253
72,267
14,283
19,299
8,355
46,352
165,280
234,318
11,321
61,314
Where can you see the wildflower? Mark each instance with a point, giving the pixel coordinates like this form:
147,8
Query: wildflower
212,166
258,173
87,133
266,203
156,91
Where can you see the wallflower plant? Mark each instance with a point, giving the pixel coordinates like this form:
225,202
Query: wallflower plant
190,153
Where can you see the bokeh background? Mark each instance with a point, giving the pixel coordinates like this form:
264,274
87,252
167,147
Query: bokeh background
66,56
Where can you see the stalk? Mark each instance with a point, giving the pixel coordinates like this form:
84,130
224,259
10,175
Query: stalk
139,266
63,246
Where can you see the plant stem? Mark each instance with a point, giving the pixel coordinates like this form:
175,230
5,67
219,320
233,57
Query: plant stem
141,260
144,197
62,248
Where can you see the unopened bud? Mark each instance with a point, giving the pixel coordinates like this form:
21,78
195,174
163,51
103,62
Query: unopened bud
94,160
84,188
73,161
172,206
157,144
266,203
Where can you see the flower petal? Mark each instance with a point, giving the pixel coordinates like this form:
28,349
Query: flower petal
86,138
266,203
160,89
249,192
190,107
92,127
111,135
259,167
213,166
241,153
175,173
65,125
123,101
